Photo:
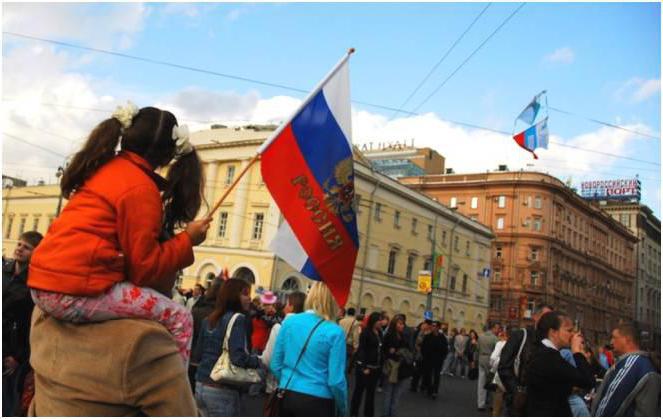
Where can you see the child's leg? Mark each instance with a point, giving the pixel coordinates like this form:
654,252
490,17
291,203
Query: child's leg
123,300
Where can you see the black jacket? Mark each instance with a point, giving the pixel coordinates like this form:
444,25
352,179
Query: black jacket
509,354
369,352
434,349
200,311
17,308
550,380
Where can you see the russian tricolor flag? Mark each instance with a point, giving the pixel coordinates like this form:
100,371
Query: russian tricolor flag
308,168
534,137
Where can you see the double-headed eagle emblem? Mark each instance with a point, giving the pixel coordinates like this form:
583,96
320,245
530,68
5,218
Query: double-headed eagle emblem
340,191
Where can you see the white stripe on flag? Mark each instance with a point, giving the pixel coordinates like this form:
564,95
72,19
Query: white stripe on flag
337,95
286,246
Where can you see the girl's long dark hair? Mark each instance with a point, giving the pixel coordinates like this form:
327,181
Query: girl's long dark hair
228,299
149,136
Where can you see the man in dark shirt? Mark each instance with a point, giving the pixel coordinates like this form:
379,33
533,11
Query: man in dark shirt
510,368
17,308
434,350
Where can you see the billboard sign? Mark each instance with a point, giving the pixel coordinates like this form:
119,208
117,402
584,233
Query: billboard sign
620,189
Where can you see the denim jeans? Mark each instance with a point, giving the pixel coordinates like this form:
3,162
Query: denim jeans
214,401
449,363
392,395
578,406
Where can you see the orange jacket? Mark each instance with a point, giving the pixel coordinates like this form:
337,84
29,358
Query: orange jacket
108,233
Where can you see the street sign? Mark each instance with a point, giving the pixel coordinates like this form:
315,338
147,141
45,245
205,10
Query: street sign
486,273
424,282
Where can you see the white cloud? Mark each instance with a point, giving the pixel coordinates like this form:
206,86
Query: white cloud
563,55
113,26
189,10
636,90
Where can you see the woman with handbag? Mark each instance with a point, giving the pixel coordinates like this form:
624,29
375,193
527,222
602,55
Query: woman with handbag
472,354
223,353
309,360
395,380
368,366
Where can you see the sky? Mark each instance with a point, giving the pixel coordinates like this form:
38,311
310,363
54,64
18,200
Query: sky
596,60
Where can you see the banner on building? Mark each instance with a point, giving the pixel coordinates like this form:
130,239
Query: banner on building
424,282
617,189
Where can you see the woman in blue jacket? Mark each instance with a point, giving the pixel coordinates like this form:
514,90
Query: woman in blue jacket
212,398
318,386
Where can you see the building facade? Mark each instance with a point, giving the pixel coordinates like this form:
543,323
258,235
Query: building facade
551,246
642,222
400,160
399,230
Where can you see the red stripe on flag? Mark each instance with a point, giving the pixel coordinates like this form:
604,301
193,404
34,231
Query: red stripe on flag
301,201
520,140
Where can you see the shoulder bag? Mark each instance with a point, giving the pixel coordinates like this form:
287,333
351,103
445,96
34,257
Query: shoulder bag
520,393
224,372
275,400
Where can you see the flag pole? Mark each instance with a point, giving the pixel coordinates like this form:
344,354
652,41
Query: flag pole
278,131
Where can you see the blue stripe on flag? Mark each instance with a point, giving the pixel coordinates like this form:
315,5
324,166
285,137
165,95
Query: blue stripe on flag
309,270
323,145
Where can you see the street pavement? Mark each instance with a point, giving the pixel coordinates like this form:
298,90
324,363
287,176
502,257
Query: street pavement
457,397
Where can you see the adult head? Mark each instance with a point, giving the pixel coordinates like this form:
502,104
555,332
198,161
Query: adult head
234,296
435,328
25,246
268,300
374,321
213,290
539,311
350,312
474,336
502,335
625,338
198,290
495,328
295,303
557,327
152,134
397,325
321,301
454,331
462,331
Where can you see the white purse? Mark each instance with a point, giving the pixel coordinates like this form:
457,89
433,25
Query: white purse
224,372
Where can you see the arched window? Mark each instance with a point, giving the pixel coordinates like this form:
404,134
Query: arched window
245,274
290,285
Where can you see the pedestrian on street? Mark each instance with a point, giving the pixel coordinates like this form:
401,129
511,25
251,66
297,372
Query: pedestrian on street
295,305
449,366
513,362
398,366
434,350
352,328
496,382
632,386
461,342
486,346
262,321
422,331
198,292
550,379
233,301
317,385
202,309
17,305
368,366
123,265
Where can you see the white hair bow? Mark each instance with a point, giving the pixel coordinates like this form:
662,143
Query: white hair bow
125,114
181,137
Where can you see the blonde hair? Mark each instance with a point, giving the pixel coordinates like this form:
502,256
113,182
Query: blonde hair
321,301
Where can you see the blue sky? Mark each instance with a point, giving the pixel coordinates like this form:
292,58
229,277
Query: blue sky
598,60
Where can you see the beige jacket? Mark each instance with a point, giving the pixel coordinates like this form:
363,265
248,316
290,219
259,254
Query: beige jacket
352,330
114,368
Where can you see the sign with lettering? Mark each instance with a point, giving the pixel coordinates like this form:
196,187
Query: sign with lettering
424,282
620,189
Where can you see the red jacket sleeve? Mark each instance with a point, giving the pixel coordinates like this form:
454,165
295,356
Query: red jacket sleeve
139,219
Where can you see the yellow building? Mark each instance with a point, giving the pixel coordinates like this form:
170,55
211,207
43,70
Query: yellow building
398,229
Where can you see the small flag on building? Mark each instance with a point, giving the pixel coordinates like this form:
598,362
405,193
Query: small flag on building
534,137
307,166
528,115
438,263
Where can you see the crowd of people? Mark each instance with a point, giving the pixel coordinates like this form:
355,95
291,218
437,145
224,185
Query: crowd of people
93,324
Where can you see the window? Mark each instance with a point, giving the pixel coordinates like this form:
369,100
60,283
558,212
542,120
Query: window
21,227
534,278
410,266
500,223
414,226
391,267
534,254
456,243
625,219
467,248
257,225
10,222
474,203
397,219
537,224
497,275
496,302
230,175
430,232
428,264
378,211
528,201
464,283
35,224
537,202
223,224
501,201
452,202
452,283
444,237
498,252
